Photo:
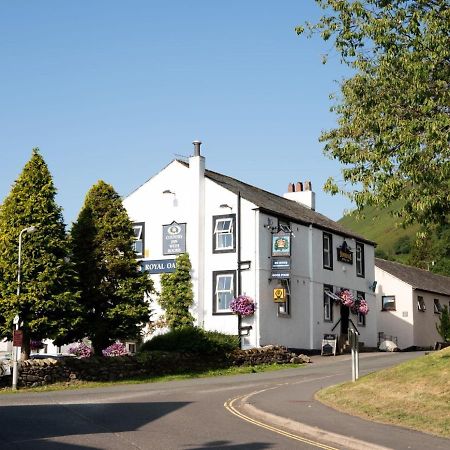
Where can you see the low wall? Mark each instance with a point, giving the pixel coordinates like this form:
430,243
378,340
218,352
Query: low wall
40,372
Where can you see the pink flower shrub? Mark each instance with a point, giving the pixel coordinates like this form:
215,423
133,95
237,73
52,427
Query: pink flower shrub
116,349
243,305
81,350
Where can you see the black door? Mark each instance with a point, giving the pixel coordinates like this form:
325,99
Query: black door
345,314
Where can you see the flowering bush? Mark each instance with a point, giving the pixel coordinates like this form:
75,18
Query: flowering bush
356,306
81,350
117,349
243,305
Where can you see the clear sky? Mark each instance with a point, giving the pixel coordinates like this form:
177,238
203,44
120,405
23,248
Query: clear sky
115,90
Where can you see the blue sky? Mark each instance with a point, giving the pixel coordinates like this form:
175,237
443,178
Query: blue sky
115,90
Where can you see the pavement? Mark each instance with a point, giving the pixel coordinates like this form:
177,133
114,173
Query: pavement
291,406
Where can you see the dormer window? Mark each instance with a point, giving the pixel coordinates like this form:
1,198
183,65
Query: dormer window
224,234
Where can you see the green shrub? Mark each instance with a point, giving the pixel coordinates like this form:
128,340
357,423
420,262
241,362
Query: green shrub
193,340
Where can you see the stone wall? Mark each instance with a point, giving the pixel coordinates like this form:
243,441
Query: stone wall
40,372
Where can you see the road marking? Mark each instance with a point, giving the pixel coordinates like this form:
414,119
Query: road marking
229,406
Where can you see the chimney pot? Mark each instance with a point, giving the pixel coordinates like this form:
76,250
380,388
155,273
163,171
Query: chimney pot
197,148
299,187
291,187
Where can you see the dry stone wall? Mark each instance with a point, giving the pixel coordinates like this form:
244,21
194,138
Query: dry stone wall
40,372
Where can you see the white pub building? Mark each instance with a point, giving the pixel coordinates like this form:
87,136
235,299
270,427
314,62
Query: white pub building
244,240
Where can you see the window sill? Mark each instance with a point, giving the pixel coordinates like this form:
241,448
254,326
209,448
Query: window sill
223,313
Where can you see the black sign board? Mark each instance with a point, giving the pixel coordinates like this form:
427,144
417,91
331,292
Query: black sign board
281,263
280,274
344,254
329,345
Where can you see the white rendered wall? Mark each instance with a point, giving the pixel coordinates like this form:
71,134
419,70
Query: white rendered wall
399,323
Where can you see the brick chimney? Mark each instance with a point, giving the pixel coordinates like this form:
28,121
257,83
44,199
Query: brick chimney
301,192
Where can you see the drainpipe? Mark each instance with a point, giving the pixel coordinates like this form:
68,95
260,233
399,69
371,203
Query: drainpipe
239,271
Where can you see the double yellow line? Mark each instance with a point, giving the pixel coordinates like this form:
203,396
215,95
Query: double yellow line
229,406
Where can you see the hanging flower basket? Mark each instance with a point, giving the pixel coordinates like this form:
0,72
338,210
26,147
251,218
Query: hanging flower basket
357,306
243,305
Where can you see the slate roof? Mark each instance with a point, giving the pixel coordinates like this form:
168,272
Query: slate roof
280,206
417,278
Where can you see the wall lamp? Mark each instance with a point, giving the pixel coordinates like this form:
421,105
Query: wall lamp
168,191
225,205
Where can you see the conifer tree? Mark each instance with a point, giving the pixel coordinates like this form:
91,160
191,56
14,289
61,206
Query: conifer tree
47,304
176,294
112,289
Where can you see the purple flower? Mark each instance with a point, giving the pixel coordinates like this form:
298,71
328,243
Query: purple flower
116,349
81,350
243,305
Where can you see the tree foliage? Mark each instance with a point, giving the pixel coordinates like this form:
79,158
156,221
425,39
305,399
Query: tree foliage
393,131
176,294
47,303
112,289
443,327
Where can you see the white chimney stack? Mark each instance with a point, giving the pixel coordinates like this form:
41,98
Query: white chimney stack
302,193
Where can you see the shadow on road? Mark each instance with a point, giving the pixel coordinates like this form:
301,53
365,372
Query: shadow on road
25,423
230,446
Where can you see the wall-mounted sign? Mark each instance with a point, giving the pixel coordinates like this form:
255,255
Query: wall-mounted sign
344,254
280,274
281,263
279,295
174,238
281,244
158,265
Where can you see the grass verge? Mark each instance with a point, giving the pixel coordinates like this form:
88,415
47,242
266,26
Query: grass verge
415,394
156,379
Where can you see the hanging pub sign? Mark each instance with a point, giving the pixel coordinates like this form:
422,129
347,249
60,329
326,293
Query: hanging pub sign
344,254
281,244
158,266
174,238
279,295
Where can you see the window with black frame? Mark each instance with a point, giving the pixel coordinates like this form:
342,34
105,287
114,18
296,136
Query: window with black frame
327,303
327,251
224,235
224,283
139,239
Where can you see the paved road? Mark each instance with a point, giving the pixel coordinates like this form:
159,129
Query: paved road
203,414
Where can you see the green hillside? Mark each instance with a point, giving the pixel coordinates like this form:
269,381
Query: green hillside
393,242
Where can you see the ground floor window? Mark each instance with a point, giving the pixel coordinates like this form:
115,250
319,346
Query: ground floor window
361,317
224,283
327,303
284,309
437,306
388,303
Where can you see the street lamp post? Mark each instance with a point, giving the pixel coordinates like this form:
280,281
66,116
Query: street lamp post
16,319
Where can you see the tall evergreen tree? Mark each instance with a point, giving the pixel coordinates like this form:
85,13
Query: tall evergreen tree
112,289
176,294
47,304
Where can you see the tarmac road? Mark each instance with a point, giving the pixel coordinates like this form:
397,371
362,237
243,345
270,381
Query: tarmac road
272,410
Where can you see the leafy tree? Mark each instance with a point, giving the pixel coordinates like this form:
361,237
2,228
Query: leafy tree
443,328
112,288
176,294
47,304
393,129
403,245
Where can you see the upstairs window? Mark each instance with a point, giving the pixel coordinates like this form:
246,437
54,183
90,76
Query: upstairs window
421,304
328,251
224,238
360,260
388,303
224,289
437,306
139,242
